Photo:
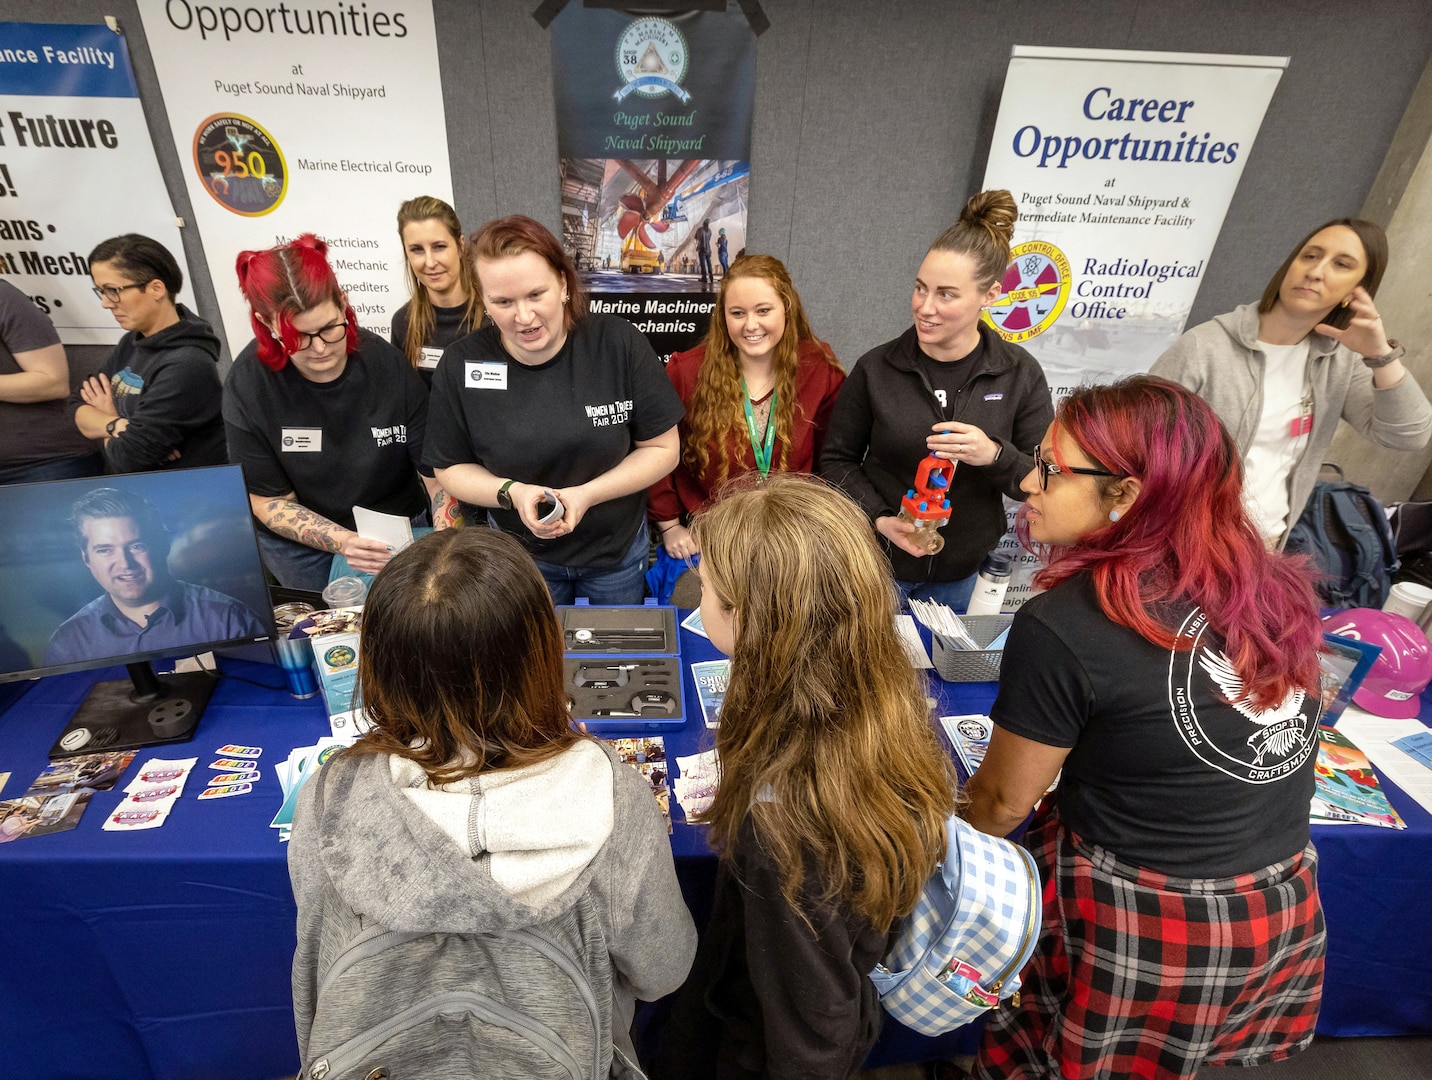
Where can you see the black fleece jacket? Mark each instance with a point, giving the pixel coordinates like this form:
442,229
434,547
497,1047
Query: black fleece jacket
167,386
877,433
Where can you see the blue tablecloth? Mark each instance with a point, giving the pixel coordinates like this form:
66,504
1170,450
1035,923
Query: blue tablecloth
166,953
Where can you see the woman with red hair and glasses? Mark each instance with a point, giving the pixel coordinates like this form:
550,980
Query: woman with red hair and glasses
547,404
323,417
1170,669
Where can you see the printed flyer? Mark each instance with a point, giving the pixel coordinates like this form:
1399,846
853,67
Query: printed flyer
654,141
295,119
77,166
1123,165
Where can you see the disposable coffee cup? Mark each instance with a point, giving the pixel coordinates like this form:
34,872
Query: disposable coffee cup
1409,599
345,592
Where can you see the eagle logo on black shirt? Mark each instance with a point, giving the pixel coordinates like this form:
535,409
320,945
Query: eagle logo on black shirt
1280,729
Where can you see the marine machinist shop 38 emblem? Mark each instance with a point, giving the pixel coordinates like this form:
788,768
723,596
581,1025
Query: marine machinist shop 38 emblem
651,56
1274,742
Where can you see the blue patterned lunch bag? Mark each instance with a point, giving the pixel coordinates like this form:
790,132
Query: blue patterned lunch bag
962,948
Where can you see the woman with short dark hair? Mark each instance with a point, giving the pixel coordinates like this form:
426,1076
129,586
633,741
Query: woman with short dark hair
1170,669
156,402
1281,373
470,816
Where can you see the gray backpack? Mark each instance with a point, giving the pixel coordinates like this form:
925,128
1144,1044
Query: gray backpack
454,1010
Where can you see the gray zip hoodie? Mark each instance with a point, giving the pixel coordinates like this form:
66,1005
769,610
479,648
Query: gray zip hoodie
374,843
1220,361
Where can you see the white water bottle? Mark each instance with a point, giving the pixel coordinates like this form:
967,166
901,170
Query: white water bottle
993,580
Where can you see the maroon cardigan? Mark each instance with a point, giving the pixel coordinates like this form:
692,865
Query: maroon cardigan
817,383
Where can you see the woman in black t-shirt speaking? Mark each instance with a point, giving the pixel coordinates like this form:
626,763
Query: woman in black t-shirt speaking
1171,671
546,401
323,417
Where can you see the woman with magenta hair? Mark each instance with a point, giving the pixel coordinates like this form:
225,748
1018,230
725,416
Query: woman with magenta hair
1170,670
550,422
323,417
1282,372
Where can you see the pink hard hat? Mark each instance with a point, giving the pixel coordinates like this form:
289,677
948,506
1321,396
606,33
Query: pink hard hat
1394,684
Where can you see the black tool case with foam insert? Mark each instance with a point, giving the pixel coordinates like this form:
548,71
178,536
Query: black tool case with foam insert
623,665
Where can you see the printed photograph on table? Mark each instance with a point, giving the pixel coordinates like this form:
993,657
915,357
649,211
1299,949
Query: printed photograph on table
89,772
40,815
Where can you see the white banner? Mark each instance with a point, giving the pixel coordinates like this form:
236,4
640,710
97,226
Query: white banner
295,119
1123,164
77,166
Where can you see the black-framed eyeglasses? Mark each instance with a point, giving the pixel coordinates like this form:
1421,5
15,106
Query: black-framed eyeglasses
331,334
112,293
1053,468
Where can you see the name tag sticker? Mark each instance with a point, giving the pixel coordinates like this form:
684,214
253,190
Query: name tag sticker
485,376
302,440
430,358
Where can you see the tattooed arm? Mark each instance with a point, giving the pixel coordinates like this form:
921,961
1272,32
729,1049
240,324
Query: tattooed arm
447,511
287,518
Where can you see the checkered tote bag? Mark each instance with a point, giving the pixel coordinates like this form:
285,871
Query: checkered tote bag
961,950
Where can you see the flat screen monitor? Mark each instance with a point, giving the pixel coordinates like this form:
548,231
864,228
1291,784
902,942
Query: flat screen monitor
125,570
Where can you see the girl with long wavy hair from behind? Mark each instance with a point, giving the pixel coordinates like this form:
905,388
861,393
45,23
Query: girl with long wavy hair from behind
758,394
834,791
1170,670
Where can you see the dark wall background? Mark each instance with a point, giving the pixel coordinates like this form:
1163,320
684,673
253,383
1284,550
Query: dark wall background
873,118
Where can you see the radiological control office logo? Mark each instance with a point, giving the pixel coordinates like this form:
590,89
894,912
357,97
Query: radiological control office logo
240,164
651,56
1033,293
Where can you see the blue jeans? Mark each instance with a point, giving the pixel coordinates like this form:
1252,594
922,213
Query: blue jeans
61,469
295,565
624,583
955,595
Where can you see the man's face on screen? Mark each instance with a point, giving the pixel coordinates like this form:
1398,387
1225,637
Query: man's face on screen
120,559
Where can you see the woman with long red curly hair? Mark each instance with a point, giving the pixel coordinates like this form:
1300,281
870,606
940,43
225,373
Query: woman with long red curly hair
758,394
323,417
551,422
1170,669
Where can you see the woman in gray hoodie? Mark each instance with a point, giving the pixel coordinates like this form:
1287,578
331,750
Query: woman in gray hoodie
482,891
1281,373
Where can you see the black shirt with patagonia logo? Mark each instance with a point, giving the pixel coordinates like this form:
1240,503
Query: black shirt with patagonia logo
557,424
355,441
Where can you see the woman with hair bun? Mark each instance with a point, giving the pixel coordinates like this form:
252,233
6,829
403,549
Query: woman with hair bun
323,417
550,403
444,304
949,385
758,394
1170,669
156,400
1282,372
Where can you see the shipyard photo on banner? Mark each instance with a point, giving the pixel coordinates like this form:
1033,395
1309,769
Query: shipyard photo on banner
654,142
300,118
77,166
1123,164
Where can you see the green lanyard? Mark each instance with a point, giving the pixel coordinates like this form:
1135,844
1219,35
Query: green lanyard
763,453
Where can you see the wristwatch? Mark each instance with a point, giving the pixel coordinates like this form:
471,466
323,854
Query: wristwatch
109,427
1397,353
504,500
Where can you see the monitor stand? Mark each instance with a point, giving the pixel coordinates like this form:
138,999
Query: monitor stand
144,710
